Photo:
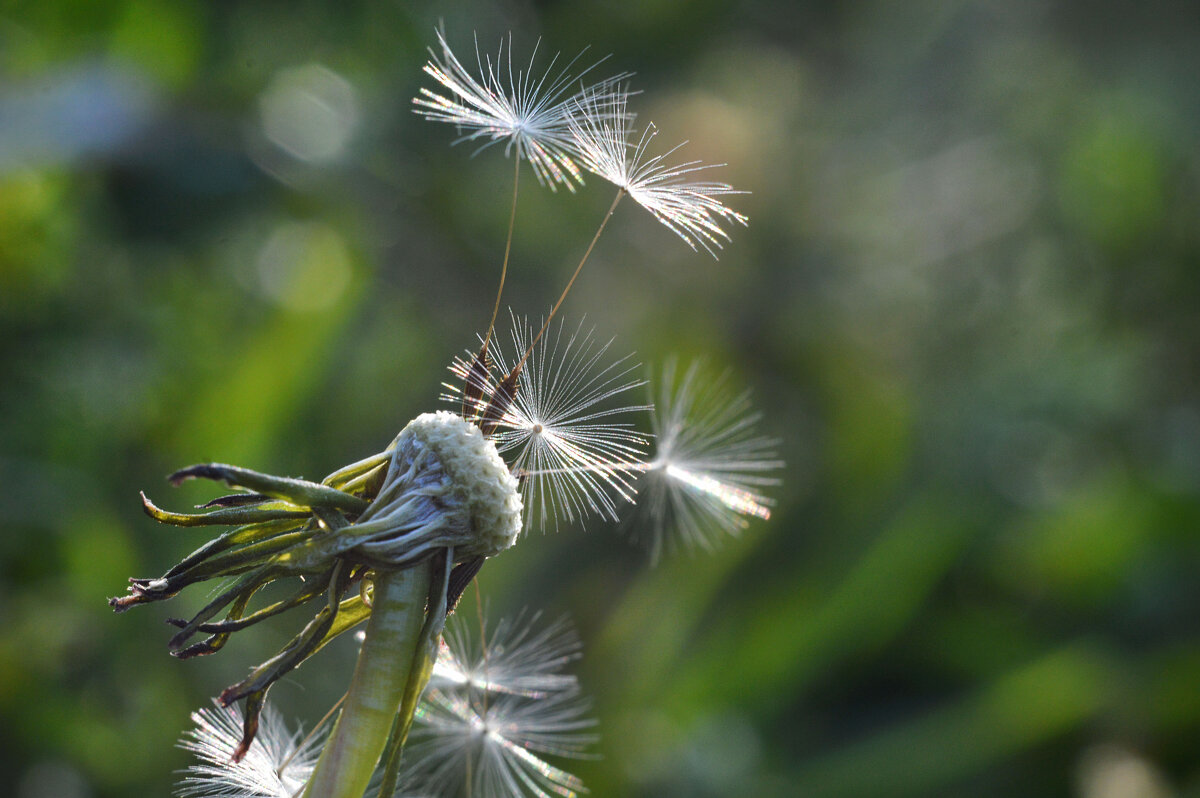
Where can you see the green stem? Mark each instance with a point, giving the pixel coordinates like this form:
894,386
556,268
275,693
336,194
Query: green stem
393,633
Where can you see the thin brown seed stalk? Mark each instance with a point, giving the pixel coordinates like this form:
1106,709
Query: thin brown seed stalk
571,282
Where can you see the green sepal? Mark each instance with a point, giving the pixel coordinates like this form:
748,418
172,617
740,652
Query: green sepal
225,516
239,592
254,706
216,642
362,478
309,590
251,533
299,648
300,492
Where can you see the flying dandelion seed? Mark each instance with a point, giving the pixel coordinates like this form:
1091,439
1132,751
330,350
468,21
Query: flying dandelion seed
709,467
512,658
690,209
277,765
497,746
519,107
570,450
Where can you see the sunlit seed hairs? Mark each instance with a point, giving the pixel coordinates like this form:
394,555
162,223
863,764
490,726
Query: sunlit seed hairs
498,745
691,209
709,466
499,708
571,448
277,765
519,107
514,657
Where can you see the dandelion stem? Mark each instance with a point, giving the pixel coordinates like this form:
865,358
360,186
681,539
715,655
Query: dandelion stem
420,672
604,222
512,219
380,678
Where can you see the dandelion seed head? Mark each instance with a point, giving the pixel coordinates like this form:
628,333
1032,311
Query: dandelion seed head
519,107
707,474
277,765
689,208
446,486
569,446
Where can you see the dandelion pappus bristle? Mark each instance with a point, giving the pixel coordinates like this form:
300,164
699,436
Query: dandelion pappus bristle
514,658
709,468
570,448
689,208
740,500
475,383
464,745
277,764
501,399
498,708
525,110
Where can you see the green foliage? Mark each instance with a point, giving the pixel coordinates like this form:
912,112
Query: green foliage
967,302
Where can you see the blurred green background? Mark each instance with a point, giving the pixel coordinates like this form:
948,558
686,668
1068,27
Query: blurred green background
966,303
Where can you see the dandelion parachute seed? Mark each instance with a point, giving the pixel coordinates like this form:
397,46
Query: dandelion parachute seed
709,467
690,209
513,658
527,112
497,746
570,450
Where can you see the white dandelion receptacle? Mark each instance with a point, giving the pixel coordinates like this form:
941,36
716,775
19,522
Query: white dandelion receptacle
446,486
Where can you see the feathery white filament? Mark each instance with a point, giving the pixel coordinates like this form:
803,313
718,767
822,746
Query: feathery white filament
464,745
512,658
277,765
561,439
690,209
740,500
515,106
709,466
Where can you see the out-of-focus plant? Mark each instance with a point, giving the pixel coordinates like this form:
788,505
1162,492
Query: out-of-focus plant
541,434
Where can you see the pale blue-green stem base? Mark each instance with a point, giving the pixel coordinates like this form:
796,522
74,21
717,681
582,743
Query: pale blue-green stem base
393,636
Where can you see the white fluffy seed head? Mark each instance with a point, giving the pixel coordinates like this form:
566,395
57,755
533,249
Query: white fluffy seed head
478,476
